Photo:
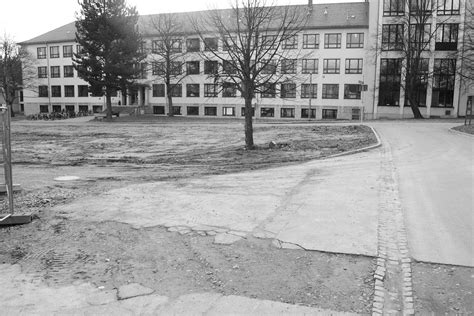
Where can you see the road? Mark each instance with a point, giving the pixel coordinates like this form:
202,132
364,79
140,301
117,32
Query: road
435,175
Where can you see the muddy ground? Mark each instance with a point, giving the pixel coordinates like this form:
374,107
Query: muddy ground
106,156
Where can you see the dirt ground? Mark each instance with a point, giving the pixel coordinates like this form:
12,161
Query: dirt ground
106,156
468,129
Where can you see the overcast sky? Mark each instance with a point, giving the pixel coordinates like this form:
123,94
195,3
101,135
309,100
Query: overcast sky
25,19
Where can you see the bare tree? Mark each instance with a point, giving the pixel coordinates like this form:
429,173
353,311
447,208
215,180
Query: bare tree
167,54
466,51
16,70
413,36
253,33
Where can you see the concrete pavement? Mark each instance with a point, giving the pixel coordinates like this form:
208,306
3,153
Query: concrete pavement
435,170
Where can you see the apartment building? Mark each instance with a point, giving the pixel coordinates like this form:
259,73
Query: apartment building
337,71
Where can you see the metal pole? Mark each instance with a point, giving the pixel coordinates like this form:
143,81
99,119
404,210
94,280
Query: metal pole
310,94
7,156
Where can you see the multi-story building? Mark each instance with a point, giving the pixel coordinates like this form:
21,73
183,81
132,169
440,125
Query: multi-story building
339,57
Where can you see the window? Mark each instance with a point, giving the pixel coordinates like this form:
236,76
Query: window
68,71
309,91
56,108
141,69
67,51
43,72
291,42
176,45
44,108
176,110
310,66
157,46
389,87
330,91
332,40
288,66
392,36
229,90
420,35
352,91
210,111
210,67
158,90
304,113
287,112
43,91
420,7
192,90
355,40
420,84
79,49
447,37
269,41
54,52
267,112
269,67
56,91
210,43
176,68
41,52
228,43
444,74
211,90
448,7
177,91
55,72
228,111
69,91
269,90
229,67
311,41
82,91
332,66
192,44
393,7
354,66
288,90
242,111
192,67
330,114
158,109
192,110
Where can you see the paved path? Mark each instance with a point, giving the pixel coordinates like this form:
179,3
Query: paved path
435,171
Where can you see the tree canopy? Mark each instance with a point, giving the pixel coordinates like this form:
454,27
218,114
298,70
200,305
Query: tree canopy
110,44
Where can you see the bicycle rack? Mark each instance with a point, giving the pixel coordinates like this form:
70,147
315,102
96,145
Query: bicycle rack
10,218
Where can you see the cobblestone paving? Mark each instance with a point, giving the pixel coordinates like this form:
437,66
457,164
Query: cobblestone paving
393,279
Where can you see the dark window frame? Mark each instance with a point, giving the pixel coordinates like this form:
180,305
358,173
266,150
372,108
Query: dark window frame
309,91
54,52
328,89
352,91
447,41
393,7
268,90
68,71
193,90
448,7
288,90
56,91
354,69
311,41
211,67
287,112
41,53
211,90
291,42
392,37
211,44
67,51
193,67
193,45
352,43
42,72
158,90
390,82
69,91
310,70
288,66
82,91
332,40
43,91
55,71
177,90
328,68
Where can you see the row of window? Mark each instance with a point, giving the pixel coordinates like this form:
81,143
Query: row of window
69,91
288,66
310,41
54,51
231,111
287,91
444,74
443,7
446,36
55,71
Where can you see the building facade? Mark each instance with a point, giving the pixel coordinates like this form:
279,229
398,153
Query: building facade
339,71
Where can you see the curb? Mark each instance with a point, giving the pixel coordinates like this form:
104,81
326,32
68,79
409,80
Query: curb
452,130
355,151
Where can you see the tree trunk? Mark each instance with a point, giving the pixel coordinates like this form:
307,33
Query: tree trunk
415,109
170,104
249,145
108,103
